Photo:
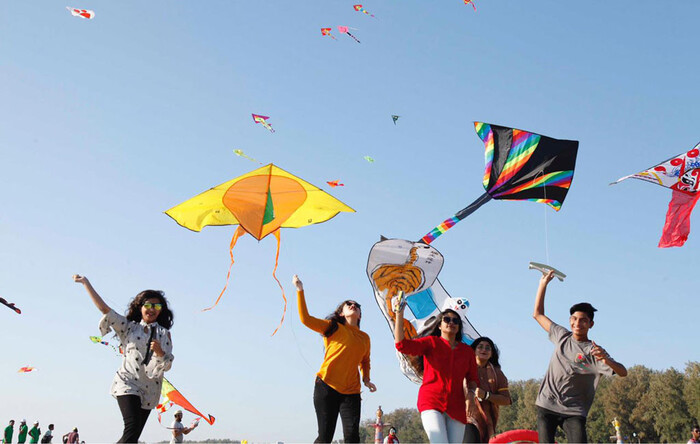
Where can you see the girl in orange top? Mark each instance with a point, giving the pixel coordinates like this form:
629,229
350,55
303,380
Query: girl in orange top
337,388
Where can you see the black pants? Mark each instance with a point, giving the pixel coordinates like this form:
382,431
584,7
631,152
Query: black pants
134,417
471,434
328,404
548,421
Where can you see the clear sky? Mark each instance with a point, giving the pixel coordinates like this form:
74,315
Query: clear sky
105,124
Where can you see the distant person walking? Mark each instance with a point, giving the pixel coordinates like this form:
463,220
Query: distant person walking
337,388
179,430
145,336
72,437
568,387
9,431
48,436
391,438
695,435
23,430
34,433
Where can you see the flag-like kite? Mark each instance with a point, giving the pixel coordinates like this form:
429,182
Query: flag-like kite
394,118
470,2
173,396
359,8
369,159
681,174
84,13
520,165
335,183
240,153
263,121
327,32
27,370
344,30
10,305
260,203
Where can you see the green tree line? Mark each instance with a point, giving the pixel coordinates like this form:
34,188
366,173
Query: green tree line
651,405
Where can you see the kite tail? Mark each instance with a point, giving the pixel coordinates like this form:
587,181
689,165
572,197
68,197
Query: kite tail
677,225
354,38
239,232
277,257
449,223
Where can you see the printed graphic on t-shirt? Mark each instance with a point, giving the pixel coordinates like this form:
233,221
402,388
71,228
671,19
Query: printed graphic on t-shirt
581,364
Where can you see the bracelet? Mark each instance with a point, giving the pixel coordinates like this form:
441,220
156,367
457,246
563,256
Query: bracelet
488,395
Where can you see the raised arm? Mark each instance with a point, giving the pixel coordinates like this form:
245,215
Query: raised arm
315,324
538,314
398,322
96,299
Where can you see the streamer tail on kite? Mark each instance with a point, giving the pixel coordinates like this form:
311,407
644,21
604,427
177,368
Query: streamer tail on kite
260,202
240,153
681,174
520,165
10,305
359,8
169,392
263,121
344,30
470,2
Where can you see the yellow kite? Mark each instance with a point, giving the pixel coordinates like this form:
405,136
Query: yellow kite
260,203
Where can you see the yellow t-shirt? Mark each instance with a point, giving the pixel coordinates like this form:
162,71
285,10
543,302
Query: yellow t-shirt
346,350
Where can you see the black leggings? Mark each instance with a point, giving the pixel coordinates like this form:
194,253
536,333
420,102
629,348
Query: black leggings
471,434
134,417
548,421
328,404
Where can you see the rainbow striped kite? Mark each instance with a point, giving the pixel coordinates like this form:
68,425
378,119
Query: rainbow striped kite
520,165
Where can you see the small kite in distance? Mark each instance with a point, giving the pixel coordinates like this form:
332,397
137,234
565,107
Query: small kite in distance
335,183
344,30
470,2
394,118
240,153
84,13
10,305
368,159
327,31
359,8
263,121
27,370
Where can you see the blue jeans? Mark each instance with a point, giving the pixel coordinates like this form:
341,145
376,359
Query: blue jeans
548,421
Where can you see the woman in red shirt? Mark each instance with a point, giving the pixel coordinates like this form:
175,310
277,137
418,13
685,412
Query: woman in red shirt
449,376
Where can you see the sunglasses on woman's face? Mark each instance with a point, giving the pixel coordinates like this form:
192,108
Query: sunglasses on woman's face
450,320
148,306
352,304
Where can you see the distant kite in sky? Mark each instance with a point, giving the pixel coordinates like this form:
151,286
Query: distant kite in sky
263,121
681,174
84,13
327,31
520,165
169,392
100,340
10,305
335,183
240,153
27,370
359,8
470,2
369,159
395,118
344,30
260,202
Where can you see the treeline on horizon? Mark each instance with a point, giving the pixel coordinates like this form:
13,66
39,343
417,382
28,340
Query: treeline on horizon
659,406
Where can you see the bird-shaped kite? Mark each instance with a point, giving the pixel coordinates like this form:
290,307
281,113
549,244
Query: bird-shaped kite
681,174
359,8
84,13
10,305
335,183
263,121
344,30
327,32
470,2
260,203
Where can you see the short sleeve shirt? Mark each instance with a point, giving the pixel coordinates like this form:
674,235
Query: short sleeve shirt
134,378
177,425
569,385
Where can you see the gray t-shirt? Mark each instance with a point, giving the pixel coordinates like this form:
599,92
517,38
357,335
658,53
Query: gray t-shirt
177,425
569,385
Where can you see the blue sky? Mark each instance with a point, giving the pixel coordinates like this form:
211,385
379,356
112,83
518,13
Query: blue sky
105,124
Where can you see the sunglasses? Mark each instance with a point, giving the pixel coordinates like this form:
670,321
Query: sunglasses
352,304
450,320
148,306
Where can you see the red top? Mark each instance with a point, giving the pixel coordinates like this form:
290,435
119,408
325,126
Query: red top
443,375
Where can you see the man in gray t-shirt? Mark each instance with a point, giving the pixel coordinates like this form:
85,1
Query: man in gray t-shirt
568,388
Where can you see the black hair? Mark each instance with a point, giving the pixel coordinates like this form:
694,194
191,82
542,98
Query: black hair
696,426
165,317
495,354
584,307
435,331
337,318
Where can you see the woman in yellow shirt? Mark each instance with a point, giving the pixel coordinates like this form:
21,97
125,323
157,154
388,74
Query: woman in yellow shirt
337,388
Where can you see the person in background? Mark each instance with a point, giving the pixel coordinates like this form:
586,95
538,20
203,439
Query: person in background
72,437
48,436
23,429
391,438
9,430
34,433
179,430
695,435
